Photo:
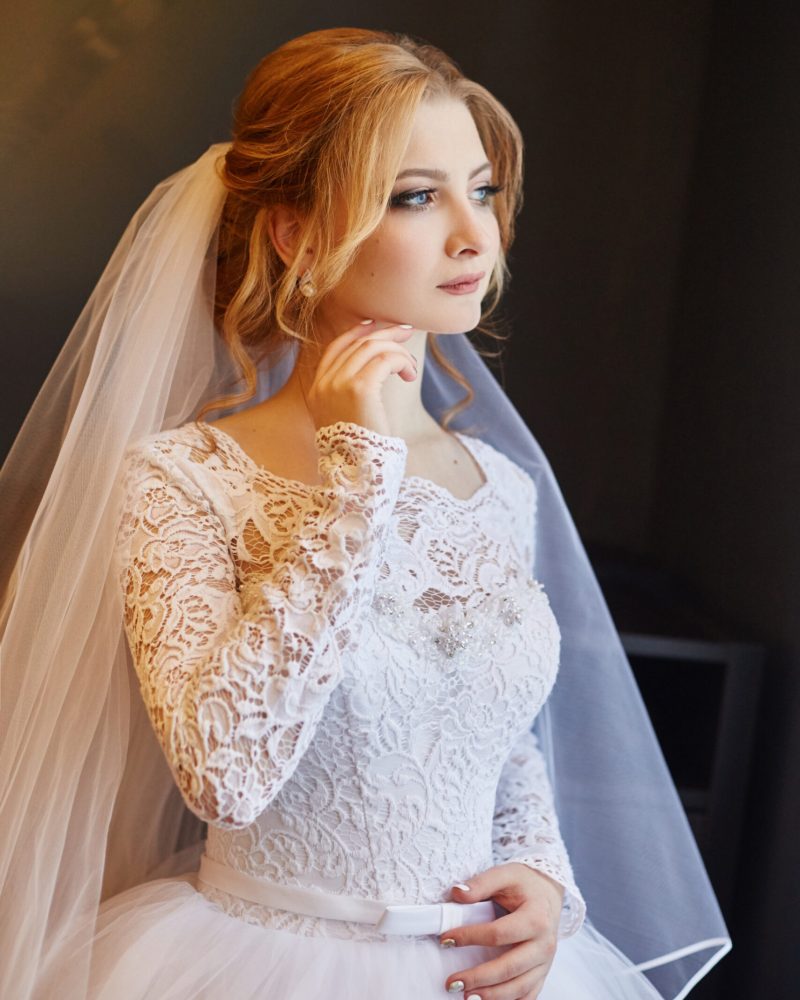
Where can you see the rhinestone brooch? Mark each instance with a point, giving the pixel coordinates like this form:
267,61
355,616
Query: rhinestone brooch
452,634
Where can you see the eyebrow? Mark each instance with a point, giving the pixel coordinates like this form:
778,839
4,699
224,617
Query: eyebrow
437,175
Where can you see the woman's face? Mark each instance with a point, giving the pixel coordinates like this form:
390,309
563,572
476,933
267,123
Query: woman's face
439,227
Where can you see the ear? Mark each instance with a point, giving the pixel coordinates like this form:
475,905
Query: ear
284,228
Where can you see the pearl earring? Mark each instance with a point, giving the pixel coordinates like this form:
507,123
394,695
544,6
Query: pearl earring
307,286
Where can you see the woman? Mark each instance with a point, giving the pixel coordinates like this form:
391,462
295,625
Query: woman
327,598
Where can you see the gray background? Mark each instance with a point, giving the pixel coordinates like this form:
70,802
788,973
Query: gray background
654,306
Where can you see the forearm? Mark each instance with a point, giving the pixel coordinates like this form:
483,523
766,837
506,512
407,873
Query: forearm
526,827
236,680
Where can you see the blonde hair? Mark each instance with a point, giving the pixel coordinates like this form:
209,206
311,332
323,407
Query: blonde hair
321,126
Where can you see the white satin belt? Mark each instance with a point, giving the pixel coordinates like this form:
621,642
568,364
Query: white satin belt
401,918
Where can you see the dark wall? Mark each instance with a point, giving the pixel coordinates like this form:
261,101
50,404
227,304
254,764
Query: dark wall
728,491
609,107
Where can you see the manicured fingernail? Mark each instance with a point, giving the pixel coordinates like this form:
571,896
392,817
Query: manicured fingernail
473,996
461,885
448,942
366,322
457,986
406,326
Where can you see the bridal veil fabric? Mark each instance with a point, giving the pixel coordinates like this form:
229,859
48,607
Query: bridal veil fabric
87,804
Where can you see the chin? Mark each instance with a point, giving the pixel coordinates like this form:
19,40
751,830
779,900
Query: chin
452,330
463,323
456,320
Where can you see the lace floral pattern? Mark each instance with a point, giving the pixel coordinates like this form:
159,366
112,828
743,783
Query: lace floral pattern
335,672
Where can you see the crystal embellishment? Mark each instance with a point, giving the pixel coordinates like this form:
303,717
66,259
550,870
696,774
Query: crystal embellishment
453,635
385,604
453,638
511,613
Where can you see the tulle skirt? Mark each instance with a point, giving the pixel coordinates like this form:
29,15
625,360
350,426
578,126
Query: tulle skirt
164,940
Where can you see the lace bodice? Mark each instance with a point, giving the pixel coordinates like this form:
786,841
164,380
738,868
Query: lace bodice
343,677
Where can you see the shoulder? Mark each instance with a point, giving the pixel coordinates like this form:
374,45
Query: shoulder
190,443
188,459
168,501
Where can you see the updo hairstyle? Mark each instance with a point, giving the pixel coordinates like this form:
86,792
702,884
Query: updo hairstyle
321,126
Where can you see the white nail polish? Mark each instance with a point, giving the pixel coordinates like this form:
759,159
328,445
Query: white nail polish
473,996
406,326
366,322
461,885
457,986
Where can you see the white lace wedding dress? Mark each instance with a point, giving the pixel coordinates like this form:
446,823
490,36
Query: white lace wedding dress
343,679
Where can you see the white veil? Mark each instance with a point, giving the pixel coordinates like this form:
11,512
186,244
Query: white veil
87,804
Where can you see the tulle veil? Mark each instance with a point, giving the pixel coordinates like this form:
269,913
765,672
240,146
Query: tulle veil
87,804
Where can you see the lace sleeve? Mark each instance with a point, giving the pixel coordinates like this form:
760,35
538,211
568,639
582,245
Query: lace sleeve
526,828
235,680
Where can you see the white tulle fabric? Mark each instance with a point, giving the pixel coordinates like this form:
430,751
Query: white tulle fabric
167,940
96,833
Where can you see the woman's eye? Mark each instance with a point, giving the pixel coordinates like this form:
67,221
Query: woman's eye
489,191
410,199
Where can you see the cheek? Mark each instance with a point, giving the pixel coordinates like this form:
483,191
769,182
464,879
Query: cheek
390,260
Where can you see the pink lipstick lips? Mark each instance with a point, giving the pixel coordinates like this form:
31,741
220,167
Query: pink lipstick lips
464,285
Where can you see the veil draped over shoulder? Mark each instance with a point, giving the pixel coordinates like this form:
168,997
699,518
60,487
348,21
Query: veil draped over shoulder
87,803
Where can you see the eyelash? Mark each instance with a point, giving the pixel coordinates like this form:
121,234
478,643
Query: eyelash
403,200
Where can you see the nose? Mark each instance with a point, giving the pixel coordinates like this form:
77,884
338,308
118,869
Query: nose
472,230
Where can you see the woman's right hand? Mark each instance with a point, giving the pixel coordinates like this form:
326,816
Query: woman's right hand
351,372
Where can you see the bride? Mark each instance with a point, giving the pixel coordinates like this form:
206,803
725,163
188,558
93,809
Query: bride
286,712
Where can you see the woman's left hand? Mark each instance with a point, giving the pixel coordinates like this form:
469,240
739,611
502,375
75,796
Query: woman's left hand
530,928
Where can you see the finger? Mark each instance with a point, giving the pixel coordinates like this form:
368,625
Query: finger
375,372
394,334
521,988
355,366
509,963
523,924
356,356
338,344
527,985
359,362
355,333
330,370
517,969
505,883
